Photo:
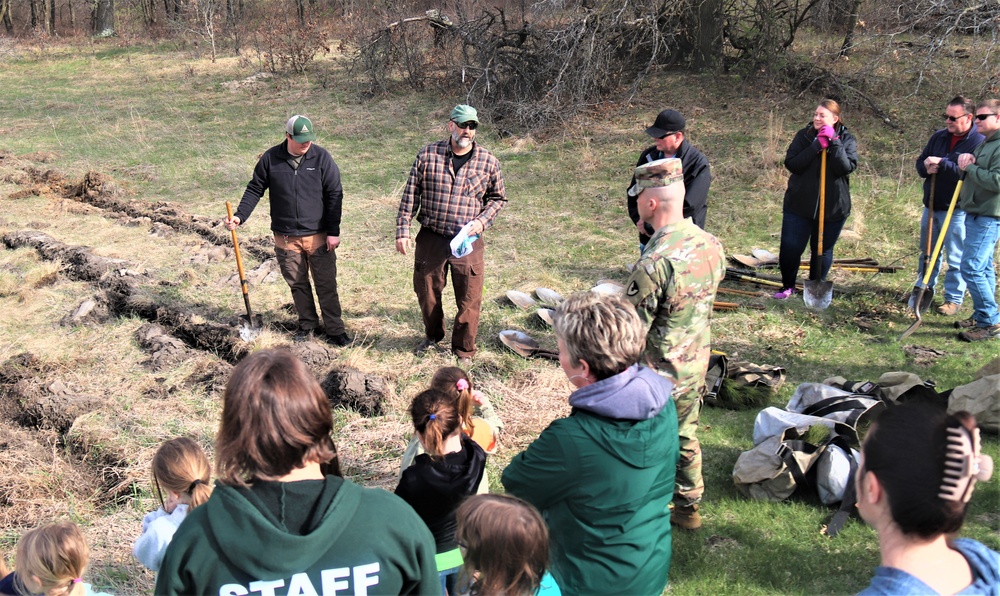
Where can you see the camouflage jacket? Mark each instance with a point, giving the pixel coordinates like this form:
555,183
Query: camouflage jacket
673,287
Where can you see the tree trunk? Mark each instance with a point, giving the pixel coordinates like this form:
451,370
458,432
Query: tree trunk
72,15
52,16
34,15
707,53
104,18
852,24
301,7
5,16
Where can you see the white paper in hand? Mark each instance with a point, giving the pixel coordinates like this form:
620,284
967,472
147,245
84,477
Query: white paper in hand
461,244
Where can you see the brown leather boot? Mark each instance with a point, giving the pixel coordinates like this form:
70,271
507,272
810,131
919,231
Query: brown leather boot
686,517
949,309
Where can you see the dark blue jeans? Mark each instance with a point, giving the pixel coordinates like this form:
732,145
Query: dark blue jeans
796,232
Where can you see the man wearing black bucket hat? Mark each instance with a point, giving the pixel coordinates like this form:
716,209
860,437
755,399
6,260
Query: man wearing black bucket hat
671,141
306,198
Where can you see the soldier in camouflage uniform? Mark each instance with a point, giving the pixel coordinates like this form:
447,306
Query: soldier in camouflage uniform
673,287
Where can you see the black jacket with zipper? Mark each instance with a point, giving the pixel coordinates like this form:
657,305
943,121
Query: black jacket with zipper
305,200
803,160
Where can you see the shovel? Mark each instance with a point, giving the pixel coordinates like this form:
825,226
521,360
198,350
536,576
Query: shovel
524,345
249,326
818,294
920,300
934,256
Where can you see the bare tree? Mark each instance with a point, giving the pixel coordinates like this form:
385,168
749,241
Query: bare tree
5,16
103,18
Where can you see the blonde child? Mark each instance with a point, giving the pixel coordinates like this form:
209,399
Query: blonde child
450,469
50,560
505,547
181,469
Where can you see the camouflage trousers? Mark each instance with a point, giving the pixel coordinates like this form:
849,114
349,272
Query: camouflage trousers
689,486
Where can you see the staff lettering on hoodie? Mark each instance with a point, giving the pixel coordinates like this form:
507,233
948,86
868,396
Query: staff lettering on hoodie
334,581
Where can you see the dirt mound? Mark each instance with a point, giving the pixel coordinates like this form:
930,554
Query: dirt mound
352,388
33,397
94,310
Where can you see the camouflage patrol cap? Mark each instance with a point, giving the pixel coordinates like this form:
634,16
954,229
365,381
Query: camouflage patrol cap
662,172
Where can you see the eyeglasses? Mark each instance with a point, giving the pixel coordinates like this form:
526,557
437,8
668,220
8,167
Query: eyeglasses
953,118
982,117
669,134
470,124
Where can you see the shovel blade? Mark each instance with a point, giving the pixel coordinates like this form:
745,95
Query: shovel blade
817,294
250,328
923,296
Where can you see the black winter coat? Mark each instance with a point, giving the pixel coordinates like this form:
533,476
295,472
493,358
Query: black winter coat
305,200
803,160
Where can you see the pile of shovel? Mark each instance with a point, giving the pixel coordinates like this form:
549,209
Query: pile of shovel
817,293
544,304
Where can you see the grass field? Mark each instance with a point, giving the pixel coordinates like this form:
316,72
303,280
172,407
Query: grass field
160,123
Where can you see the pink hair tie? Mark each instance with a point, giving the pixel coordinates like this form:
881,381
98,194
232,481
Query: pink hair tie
462,384
77,580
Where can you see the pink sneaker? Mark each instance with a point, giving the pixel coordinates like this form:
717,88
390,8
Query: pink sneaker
784,294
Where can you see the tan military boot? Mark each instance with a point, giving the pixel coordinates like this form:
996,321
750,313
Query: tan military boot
686,517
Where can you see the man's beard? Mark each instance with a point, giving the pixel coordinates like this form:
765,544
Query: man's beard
462,142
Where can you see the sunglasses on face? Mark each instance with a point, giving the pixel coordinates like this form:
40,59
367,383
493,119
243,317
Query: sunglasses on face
953,118
982,117
470,124
669,134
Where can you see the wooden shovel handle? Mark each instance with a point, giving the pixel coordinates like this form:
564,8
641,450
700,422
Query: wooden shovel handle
236,249
822,204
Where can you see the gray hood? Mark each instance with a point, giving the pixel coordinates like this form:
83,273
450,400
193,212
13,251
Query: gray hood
637,393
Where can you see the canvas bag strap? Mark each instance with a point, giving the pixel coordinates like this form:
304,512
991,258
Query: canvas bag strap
788,449
849,502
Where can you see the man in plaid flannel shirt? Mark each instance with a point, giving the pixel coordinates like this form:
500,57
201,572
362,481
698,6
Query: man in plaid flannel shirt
453,182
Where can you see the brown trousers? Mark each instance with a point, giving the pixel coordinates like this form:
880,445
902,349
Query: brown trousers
297,257
432,259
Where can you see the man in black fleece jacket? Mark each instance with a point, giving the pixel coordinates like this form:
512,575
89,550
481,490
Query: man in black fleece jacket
306,199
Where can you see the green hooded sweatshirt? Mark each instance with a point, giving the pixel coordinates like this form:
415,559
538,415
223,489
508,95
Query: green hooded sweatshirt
365,541
603,479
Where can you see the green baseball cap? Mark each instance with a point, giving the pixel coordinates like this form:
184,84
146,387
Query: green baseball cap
464,113
300,128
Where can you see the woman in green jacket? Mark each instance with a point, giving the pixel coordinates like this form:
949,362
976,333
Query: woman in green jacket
603,477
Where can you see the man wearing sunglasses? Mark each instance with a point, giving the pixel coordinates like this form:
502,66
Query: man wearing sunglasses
453,183
670,141
980,199
938,166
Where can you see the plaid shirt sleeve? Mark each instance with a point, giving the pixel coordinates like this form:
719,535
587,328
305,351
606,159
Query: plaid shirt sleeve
444,201
410,203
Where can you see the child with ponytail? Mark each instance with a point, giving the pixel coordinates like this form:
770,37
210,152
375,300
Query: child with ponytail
450,469
483,429
50,560
180,468
478,419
